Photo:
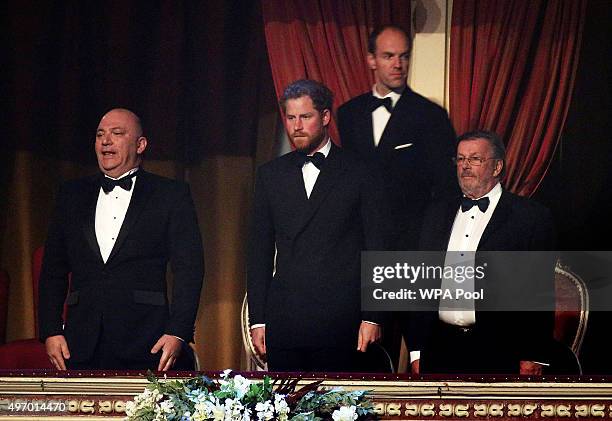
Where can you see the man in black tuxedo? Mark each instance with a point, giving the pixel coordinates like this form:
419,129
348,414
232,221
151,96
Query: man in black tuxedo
486,218
114,233
315,210
408,138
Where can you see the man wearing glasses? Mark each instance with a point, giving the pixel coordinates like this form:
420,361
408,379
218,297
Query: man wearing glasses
485,218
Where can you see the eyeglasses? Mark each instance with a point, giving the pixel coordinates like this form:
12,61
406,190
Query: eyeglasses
473,160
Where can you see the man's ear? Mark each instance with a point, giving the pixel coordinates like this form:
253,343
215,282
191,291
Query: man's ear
326,116
499,166
371,61
142,145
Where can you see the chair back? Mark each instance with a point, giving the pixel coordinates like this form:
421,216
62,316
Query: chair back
571,308
255,362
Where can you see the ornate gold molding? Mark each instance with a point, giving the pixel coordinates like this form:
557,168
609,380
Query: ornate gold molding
394,398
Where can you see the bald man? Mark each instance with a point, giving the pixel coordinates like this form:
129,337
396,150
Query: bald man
115,233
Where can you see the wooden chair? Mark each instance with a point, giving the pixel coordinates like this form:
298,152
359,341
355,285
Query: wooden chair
571,317
254,361
572,308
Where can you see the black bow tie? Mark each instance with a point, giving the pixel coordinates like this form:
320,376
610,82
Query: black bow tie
108,184
317,159
378,102
467,204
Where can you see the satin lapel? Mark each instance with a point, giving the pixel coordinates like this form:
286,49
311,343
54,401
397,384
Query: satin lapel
498,219
90,201
142,191
327,178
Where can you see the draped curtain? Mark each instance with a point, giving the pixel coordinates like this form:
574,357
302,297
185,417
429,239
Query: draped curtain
326,41
512,71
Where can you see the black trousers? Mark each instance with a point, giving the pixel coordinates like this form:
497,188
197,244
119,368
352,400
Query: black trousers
322,359
105,358
455,350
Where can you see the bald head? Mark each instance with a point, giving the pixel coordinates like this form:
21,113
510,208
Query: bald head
119,142
129,117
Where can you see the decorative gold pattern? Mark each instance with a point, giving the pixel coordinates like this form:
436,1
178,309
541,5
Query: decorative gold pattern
547,411
598,411
529,409
393,397
394,409
462,410
514,410
105,407
563,411
427,410
446,410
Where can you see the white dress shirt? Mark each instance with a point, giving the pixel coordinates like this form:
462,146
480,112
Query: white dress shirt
466,233
310,172
110,213
380,116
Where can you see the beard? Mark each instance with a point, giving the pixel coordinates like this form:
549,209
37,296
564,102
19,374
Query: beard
307,144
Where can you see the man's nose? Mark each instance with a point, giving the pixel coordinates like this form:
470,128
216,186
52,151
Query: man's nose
297,125
397,62
106,139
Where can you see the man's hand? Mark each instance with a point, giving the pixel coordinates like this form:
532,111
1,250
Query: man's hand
368,333
258,336
415,368
171,349
529,368
57,351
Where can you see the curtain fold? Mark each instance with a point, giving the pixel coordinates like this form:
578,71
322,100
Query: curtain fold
512,70
326,41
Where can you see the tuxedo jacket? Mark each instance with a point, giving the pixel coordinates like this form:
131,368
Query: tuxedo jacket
517,224
413,174
127,295
311,296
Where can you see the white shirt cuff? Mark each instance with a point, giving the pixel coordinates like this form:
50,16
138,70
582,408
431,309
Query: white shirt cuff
256,325
415,355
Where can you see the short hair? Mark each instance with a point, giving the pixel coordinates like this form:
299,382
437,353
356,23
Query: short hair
376,32
499,150
321,96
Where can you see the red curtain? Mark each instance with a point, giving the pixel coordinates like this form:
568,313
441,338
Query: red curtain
326,41
512,69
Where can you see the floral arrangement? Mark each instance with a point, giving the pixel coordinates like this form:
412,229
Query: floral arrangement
235,398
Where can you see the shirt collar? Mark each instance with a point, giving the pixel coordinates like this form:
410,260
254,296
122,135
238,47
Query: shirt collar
392,94
325,149
132,171
494,193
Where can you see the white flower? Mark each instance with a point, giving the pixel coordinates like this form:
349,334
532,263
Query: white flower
167,407
281,407
345,413
241,385
130,408
233,410
265,411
